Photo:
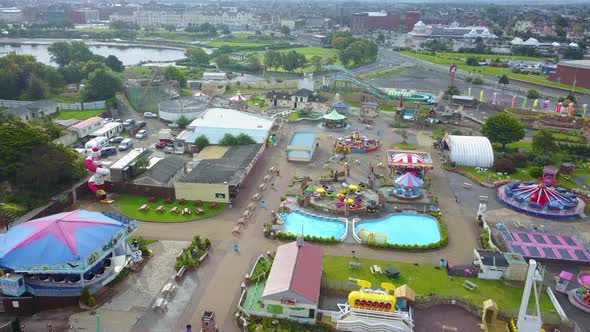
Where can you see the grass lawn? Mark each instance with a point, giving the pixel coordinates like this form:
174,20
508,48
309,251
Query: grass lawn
67,98
129,205
543,80
80,115
237,44
256,101
186,92
425,280
403,146
388,108
147,242
521,174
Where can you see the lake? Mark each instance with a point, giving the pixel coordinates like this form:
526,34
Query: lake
128,55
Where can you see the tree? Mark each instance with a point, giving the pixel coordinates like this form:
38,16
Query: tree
316,62
114,63
201,142
21,76
9,212
574,53
37,89
544,143
225,29
504,80
141,165
63,53
532,94
340,43
28,138
452,91
244,139
285,30
472,61
170,27
102,84
503,128
228,139
172,73
197,56
222,60
272,59
254,63
182,122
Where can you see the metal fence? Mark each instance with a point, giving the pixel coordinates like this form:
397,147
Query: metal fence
62,106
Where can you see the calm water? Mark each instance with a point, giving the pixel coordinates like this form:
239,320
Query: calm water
128,55
406,229
313,226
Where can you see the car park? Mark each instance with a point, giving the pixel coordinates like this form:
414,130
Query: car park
108,151
116,140
140,124
141,134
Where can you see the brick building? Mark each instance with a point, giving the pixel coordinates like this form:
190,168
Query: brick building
366,21
411,19
568,72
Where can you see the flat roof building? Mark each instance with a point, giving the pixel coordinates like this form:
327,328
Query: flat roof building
574,72
218,179
301,147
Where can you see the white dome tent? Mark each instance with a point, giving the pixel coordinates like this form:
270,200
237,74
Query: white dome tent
516,41
474,151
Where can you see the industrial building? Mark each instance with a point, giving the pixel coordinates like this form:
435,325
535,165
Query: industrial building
575,72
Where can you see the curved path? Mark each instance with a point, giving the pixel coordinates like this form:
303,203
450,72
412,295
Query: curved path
581,183
222,288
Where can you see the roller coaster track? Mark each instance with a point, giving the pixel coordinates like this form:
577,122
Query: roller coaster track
350,76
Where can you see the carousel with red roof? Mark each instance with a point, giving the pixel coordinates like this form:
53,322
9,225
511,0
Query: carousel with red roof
541,199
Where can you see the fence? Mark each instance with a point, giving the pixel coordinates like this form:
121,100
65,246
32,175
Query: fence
13,103
94,105
141,190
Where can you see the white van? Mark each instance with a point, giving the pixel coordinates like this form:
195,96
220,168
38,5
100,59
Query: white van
126,144
101,142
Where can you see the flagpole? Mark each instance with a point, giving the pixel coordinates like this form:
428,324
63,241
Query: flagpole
98,322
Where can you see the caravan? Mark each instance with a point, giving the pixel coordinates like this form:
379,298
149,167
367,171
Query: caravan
100,142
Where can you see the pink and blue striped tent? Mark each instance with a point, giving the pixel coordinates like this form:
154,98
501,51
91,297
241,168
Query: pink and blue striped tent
409,180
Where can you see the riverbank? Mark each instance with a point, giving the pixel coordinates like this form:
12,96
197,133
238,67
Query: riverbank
90,42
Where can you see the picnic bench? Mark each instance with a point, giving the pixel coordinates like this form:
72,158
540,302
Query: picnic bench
242,221
160,208
160,305
272,169
267,178
199,211
375,269
247,214
262,186
180,273
236,230
198,202
354,264
256,196
469,285
144,208
168,290
186,212
251,206
213,205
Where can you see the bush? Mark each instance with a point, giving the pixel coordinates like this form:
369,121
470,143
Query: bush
504,165
536,172
477,80
468,79
543,160
457,132
472,62
452,90
91,301
532,94
520,159
169,200
85,295
153,199
516,70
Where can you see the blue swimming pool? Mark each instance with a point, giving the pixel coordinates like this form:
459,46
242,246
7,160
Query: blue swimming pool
408,229
314,226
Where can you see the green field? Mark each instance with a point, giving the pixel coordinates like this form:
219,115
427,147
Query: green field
67,98
80,115
130,204
427,280
543,80
236,44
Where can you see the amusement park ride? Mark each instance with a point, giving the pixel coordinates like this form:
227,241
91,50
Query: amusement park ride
96,184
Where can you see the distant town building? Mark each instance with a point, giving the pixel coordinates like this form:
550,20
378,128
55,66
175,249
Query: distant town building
411,18
366,21
11,15
454,31
84,16
294,25
181,18
575,72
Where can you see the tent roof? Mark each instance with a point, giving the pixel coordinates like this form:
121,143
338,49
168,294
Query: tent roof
57,239
475,151
334,116
405,292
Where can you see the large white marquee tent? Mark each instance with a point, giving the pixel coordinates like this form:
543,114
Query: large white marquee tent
474,151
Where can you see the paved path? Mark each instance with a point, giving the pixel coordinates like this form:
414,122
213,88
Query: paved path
581,183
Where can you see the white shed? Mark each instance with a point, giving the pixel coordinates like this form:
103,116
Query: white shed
475,151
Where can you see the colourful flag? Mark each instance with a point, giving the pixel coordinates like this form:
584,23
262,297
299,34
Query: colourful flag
585,108
481,95
494,98
469,92
535,103
514,101
524,103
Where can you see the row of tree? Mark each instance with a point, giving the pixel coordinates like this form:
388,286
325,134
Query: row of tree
289,61
353,51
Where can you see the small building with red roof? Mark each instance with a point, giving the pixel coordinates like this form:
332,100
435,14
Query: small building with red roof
294,280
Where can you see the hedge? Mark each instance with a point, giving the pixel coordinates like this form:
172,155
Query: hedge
292,237
443,241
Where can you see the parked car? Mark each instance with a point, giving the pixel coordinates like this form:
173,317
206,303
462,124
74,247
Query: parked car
162,145
150,115
107,120
116,140
141,134
117,120
108,151
140,124
126,144
129,121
